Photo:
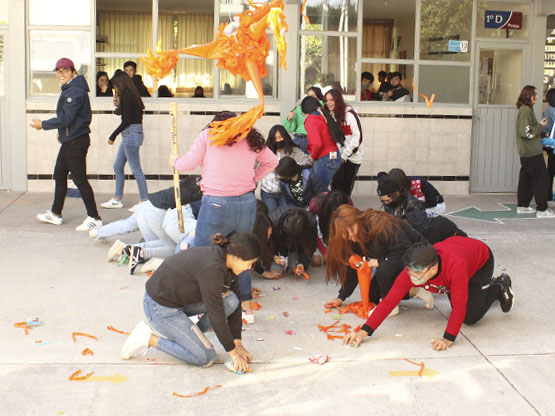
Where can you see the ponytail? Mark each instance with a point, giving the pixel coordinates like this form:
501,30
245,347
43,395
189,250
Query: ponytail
245,246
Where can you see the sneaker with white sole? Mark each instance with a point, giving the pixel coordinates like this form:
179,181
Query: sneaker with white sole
525,210
152,265
112,204
545,214
394,311
89,224
134,207
115,250
506,296
136,257
50,218
93,233
425,297
139,338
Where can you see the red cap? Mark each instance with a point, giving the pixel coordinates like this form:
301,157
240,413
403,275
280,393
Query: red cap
64,63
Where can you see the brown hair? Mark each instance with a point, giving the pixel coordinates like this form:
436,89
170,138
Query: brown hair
371,225
339,110
525,97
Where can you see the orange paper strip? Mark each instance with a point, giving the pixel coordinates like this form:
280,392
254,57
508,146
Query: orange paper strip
255,306
24,326
82,334
87,351
111,328
421,365
75,377
200,393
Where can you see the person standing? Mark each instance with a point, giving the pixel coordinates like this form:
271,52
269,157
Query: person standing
548,114
352,150
131,107
294,123
130,69
73,118
532,179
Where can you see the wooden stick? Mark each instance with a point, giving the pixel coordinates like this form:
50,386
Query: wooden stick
176,188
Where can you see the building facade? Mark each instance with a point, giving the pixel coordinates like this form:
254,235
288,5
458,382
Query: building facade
473,55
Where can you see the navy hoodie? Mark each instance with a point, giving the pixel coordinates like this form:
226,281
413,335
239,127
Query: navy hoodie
73,111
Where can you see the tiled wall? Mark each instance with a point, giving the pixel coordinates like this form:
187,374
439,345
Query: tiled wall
424,142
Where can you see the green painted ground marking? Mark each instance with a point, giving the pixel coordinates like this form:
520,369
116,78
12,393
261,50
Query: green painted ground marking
508,213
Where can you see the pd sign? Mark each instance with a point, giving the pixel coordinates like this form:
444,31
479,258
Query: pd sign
502,20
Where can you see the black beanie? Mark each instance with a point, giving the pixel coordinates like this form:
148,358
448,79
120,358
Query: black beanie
386,185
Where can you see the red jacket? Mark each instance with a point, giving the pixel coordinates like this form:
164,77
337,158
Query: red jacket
460,259
319,140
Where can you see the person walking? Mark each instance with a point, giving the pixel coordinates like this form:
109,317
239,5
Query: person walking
73,118
533,178
131,108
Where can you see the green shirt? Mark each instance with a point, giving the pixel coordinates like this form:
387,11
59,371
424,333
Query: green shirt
528,133
296,124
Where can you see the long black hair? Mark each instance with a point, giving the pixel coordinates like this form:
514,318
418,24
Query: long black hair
123,83
399,176
294,230
261,225
310,105
329,204
288,142
245,246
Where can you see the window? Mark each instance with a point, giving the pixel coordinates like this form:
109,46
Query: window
3,12
483,32
46,47
445,30
331,15
450,84
48,12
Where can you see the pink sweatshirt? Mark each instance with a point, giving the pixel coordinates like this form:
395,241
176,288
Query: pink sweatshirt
227,170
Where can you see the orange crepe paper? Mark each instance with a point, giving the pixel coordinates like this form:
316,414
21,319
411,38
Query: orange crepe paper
87,351
111,328
75,377
364,274
303,13
358,328
82,334
429,101
255,306
421,365
299,269
242,50
200,393
245,321
334,329
24,326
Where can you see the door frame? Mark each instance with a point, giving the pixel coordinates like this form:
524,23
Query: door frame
5,168
526,71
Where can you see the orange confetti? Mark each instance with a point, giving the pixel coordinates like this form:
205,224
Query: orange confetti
355,307
421,365
255,306
300,270
87,351
111,328
75,377
24,326
245,321
82,334
38,341
200,393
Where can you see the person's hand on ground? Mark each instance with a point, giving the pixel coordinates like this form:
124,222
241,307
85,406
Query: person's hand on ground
255,292
242,351
239,362
440,344
355,339
333,303
274,274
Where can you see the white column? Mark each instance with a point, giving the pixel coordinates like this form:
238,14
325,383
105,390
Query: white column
288,79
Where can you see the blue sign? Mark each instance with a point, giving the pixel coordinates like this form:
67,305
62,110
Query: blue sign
457,46
503,20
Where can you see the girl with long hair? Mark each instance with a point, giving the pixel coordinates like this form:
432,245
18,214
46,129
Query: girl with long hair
352,150
198,281
279,142
130,106
533,178
376,235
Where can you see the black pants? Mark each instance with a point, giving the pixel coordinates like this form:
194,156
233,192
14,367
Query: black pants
385,276
72,158
550,172
440,229
482,292
344,178
532,181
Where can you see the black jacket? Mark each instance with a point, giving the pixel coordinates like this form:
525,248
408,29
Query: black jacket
199,275
165,199
131,113
425,192
281,240
409,204
311,187
73,111
434,228
382,250
138,81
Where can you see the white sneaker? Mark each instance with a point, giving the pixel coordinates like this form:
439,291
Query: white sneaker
525,210
545,214
394,312
50,218
112,203
115,250
425,297
138,339
88,224
152,265
134,207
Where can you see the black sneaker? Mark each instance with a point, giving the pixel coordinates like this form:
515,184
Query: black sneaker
137,257
127,250
506,296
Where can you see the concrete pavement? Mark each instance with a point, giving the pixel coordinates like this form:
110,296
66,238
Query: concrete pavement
501,366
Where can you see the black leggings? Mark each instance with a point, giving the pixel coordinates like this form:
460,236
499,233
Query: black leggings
482,292
385,276
344,178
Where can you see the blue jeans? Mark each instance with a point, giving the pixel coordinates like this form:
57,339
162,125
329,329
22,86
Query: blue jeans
272,201
302,141
185,340
224,214
131,141
325,168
